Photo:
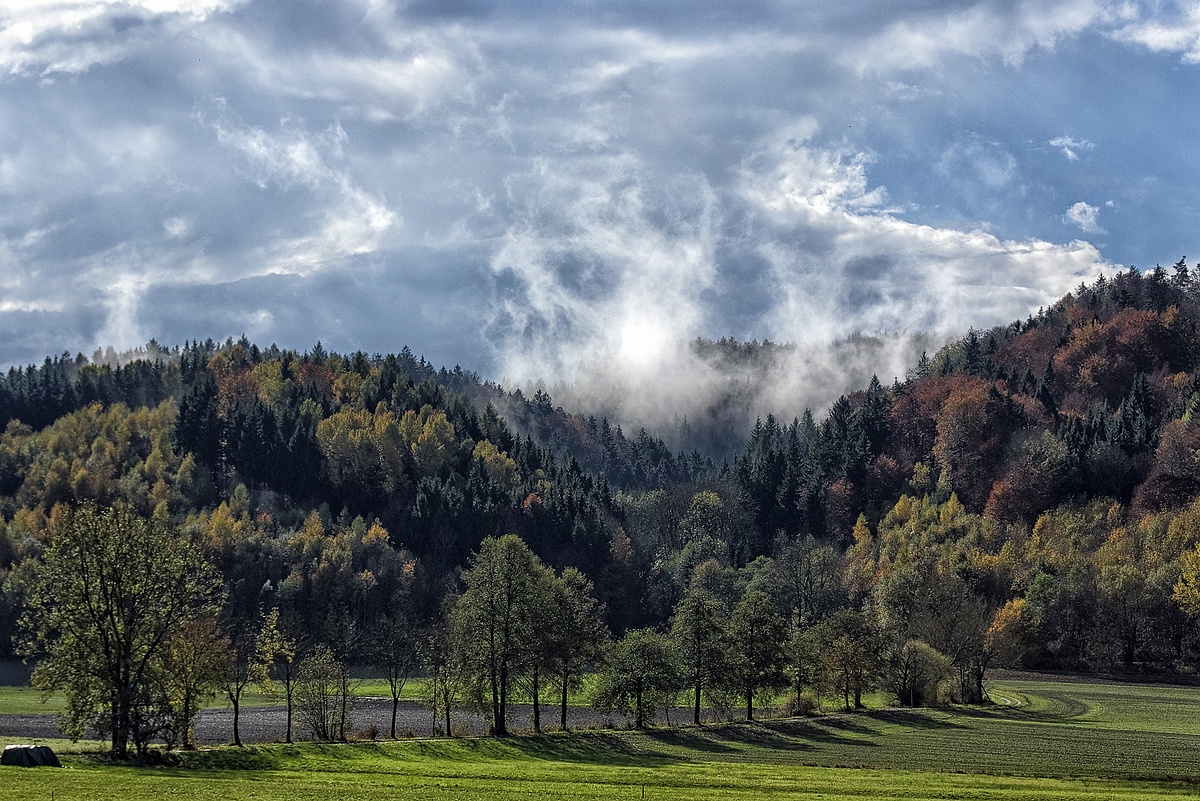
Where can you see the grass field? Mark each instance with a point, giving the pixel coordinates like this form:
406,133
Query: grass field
1041,740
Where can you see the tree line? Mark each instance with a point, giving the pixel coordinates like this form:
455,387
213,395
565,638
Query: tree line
129,619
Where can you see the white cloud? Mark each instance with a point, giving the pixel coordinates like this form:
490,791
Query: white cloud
601,258
1007,30
176,227
123,294
1179,33
610,55
416,71
1071,146
843,265
71,36
1086,217
612,179
803,183
977,162
343,219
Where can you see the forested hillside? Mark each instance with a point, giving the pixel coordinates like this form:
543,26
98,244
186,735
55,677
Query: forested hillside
1025,496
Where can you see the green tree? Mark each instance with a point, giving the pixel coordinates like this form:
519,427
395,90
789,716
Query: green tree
393,651
803,652
1187,588
293,644
757,637
640,676
320,694
803,579
445,675
913,671
850,655
112,590
495,621
537,656
577,635
699,635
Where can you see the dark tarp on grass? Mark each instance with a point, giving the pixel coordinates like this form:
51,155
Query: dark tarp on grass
30,756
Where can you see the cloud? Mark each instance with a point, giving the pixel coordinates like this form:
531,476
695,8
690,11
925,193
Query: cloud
539,190
1070,146
344,219
613,269
71,36
985,164
1086,217
601,257
398,75
978,30
1177,32
846,265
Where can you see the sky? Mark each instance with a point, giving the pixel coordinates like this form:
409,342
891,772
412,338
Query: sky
522,188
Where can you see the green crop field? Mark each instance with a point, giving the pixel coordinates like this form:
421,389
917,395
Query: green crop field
1041,740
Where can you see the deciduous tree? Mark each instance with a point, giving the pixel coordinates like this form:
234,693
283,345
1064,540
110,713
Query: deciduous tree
111,591
757,636
577,636
640,676
494,621
698,632
248,658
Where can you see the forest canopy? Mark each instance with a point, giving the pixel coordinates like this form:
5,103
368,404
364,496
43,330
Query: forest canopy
1028,495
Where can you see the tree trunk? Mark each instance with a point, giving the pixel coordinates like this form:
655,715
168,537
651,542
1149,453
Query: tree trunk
537,712
696,706
977,675
343,707
563,721
495,702
120,747
501,723
118,736
288,692
749,703
236,699
187,723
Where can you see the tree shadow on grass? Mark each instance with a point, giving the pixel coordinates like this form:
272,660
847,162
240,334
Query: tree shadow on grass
779,735
696,739
224,759
913,719
828,731
597,748
765,735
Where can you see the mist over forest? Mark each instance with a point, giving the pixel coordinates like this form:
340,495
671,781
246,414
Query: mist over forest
706,395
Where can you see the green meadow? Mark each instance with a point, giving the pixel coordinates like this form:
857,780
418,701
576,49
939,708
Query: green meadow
1042,739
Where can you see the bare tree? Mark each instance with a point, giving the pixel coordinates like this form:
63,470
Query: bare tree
393,651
